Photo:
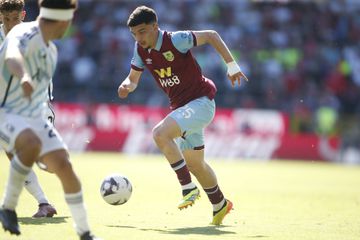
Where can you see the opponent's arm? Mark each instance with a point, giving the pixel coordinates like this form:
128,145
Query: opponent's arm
129,84
14,61
213,38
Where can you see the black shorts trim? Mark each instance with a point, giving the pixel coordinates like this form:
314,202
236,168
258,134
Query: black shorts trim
6,92
199,147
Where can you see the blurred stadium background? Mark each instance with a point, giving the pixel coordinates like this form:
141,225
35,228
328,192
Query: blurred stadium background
302,59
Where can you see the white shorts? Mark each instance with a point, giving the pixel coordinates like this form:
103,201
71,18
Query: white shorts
12,125
49,113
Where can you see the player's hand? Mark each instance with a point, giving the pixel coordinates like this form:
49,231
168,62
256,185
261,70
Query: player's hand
27,87
126,87
237,78
123,90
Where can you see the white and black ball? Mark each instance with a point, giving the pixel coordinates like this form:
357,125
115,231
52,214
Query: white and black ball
116,189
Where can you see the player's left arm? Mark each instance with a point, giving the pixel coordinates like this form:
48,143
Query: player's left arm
213,38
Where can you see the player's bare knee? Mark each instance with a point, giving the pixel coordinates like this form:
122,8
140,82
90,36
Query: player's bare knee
28,143
159,135
55,161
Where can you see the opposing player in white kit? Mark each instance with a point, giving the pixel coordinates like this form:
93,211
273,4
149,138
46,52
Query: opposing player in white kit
12,13
27,63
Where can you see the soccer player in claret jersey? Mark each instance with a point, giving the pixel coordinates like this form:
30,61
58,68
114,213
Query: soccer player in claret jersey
27,62
180,135
12,13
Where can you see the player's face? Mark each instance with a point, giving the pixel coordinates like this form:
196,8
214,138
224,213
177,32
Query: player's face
61,28
12,18
145,34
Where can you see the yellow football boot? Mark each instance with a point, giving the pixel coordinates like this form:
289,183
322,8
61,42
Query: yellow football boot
189,199
220,215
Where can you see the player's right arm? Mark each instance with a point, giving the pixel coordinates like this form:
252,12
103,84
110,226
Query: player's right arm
129,84
131,81
15,63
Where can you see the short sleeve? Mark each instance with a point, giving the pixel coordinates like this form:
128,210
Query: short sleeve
183,41
16,42
136,62
13,47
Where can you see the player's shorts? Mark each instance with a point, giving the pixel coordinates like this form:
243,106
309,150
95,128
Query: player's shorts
12,125
192,120
49,113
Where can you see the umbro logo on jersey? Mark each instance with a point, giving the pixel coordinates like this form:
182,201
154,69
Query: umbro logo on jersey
148,61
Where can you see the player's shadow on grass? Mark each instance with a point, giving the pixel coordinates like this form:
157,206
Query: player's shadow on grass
208,230
257,236
40,221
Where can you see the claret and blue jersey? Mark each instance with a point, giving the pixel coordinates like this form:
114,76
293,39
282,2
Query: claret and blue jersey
174,68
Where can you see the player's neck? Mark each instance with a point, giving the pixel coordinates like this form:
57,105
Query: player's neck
153,46
5,29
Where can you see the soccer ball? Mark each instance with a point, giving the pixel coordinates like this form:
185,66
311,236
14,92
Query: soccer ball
116,189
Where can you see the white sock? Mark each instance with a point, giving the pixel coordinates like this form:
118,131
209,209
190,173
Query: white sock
217,206
15,183
33,187
78,211
188,186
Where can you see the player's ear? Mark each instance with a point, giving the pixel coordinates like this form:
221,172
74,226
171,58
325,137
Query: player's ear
23,14
155,25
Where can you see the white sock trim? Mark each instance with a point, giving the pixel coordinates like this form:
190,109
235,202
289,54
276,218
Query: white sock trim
179,166
78,211
15,183
216,189
188,186
74,198
19,166
217,206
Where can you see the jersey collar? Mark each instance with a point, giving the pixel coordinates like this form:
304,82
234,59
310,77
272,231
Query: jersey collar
159,40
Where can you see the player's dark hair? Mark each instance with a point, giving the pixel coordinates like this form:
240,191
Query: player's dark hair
58,4
142,14
11,5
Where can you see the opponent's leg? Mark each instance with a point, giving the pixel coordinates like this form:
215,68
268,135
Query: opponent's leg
58,163
32,185
27,148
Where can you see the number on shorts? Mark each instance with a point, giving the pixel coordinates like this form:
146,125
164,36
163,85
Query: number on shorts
188,111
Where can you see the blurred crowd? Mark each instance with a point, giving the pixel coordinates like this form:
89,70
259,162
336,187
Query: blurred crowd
301,57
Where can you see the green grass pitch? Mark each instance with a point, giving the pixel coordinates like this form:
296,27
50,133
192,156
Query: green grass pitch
280,200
